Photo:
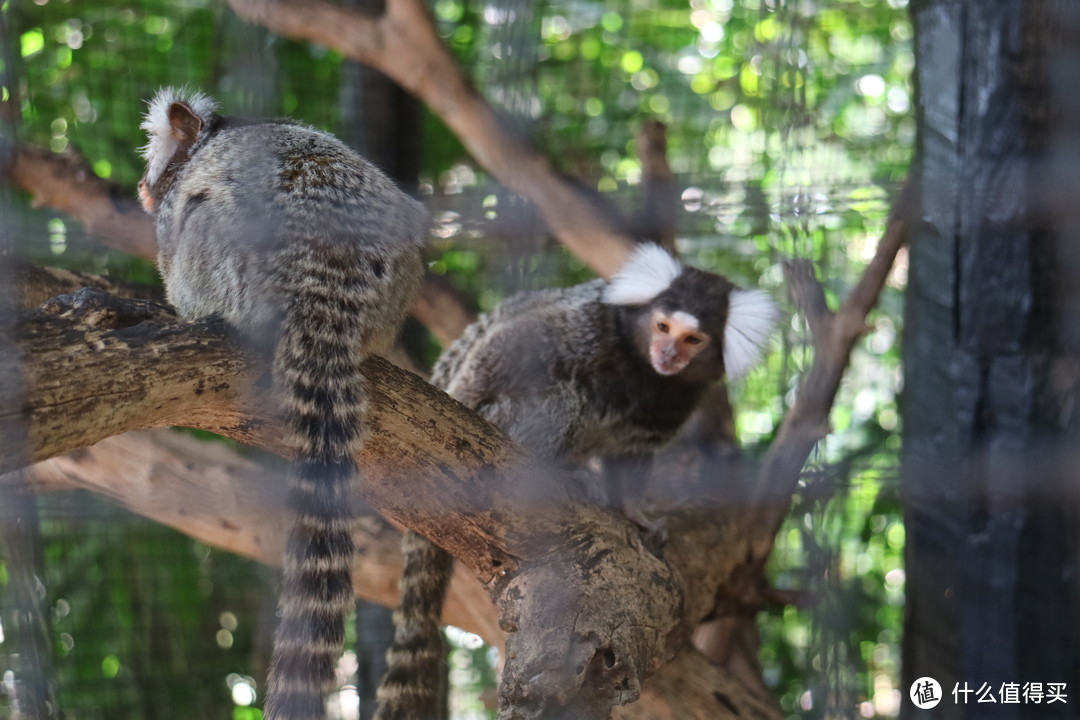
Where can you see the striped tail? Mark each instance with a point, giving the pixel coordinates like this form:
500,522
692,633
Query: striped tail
415,686
317,368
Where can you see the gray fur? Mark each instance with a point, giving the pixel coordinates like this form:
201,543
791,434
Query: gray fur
250,205
566,373
302,246
547,368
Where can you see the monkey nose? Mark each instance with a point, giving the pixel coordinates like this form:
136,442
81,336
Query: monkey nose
665,360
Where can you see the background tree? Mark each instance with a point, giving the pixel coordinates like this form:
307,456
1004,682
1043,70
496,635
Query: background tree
991,357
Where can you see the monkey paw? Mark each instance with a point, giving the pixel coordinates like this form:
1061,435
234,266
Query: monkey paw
654,533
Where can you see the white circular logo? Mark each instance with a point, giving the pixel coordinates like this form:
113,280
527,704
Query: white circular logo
925,693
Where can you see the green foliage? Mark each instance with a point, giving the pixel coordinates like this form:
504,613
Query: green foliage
147,622
472,674
79,88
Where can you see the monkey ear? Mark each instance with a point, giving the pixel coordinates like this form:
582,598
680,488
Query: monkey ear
185,123
751,317
649,271
173,117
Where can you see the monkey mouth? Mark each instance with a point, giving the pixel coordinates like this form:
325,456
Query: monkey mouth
666,367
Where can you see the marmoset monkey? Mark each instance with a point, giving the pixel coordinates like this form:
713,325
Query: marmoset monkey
609,369
299,244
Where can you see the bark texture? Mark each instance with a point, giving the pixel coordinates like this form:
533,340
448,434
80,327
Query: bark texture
98,366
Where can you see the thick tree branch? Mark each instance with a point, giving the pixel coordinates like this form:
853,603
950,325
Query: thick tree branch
95,370
32,285
212,493
88,383
403,43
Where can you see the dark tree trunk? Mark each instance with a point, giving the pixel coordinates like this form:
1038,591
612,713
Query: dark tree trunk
379,119
991,357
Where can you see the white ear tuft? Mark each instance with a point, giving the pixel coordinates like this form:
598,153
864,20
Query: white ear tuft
161,144
649,271
751,317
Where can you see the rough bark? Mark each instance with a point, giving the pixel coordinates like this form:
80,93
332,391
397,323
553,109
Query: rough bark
214,494
98,368
33,285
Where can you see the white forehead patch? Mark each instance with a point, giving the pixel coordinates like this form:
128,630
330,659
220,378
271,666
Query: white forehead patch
648,272
685,321
161,144
751,317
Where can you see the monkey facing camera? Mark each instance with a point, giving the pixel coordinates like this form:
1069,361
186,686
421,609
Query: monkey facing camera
302,246
606,369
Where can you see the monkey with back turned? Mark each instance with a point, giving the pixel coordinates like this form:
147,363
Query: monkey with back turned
300,244
607,368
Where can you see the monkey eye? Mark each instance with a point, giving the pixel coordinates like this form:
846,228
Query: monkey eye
693,340
663,326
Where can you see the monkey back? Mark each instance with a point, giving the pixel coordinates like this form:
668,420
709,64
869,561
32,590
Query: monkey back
251,197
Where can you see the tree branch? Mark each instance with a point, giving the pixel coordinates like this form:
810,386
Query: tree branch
833,338
212,493
33,285
98,367
441,309
691,688
658,220
66,182
403,43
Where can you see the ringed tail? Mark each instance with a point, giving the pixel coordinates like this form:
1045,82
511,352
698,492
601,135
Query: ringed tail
318,376
415,686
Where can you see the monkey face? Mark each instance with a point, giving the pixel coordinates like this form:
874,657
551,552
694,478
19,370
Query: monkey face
675,338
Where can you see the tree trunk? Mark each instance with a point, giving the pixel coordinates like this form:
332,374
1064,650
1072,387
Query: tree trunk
991,359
